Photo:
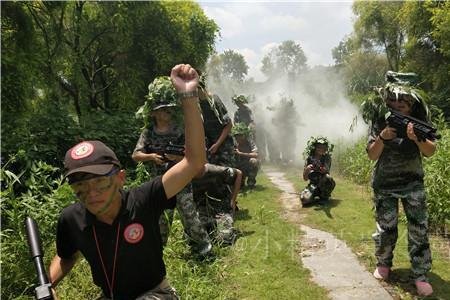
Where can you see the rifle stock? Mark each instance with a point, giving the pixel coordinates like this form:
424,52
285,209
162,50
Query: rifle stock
43,290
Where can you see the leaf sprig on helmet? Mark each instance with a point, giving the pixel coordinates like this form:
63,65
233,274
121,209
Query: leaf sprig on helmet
313,142
241,129
161,93
240,99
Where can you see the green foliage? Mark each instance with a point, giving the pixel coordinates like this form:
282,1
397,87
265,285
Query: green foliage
287,58
412,35
240,99
120,131
437,174
241,129
353,162
377,25
36,193
311,146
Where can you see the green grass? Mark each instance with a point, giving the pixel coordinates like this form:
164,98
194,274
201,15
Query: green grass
264,263
350,217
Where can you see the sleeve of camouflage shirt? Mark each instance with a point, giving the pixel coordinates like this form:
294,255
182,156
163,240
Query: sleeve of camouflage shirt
222,110
142,141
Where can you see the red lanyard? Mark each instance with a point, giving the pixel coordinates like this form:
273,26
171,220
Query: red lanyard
110,284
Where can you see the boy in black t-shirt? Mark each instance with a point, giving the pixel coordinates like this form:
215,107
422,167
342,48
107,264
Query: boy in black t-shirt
117,231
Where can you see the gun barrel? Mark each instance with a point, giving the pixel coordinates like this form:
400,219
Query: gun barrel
34,243
34,239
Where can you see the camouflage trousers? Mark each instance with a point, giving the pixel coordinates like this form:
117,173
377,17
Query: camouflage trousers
249,170
197,234
219,224
322,189
386,213
162,292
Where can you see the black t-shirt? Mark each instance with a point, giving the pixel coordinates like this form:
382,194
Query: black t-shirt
139,262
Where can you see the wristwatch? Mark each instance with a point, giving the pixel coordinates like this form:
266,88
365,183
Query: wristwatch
190,94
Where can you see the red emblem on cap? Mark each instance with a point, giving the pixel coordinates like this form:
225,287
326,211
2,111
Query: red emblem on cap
82,150
133,233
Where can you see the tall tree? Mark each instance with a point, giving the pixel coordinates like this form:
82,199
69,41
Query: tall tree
377,25
428,48
229,65
287,58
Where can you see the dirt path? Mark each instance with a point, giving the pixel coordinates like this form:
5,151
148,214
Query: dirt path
331,262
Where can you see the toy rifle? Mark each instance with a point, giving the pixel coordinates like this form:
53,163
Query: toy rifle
318,170
43,290
422,129
163,149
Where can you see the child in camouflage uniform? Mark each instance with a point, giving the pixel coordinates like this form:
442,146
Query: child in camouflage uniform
215,194
161,130
243,114
247,154
217,125
398,174
317,171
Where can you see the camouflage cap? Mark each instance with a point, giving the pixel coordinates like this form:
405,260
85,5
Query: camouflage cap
240,98
313,142
161,93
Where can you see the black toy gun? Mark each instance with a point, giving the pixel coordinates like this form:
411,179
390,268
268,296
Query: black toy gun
422,129
163,149
43,290
317,171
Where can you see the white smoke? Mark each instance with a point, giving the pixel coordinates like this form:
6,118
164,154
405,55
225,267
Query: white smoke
319,98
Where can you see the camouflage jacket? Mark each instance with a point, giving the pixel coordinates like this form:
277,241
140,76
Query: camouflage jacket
150,136
243,115
399,166
215,118
248,146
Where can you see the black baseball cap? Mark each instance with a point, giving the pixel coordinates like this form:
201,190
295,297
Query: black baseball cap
90,157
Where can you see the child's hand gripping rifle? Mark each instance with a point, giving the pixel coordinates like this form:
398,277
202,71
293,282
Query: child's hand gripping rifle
317,171
164,149
43,290
422,129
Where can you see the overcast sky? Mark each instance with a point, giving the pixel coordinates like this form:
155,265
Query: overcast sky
253,28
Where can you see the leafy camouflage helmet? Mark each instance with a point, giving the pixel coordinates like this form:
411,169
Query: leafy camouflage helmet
402,85
240,129
398,86
313,142
161,93
240,98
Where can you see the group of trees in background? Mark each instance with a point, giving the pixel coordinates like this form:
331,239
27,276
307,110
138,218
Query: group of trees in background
407,36
67,64
73,70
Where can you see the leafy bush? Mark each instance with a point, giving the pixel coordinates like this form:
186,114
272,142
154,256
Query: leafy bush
437,176
353,163
36,193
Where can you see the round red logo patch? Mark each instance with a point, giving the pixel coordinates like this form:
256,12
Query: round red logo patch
133,233
82,150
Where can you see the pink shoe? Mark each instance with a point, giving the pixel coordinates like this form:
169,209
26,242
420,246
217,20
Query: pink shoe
423,288
381,273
